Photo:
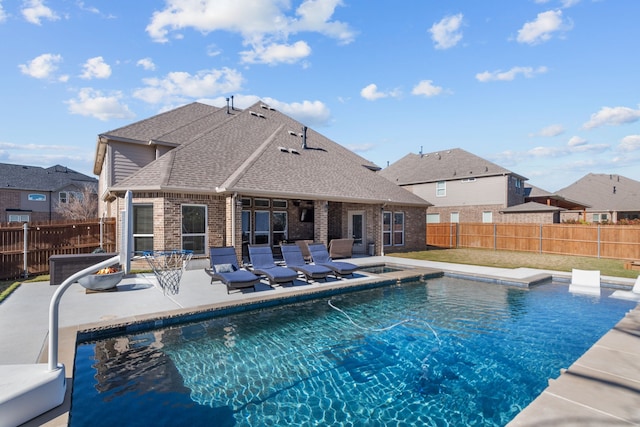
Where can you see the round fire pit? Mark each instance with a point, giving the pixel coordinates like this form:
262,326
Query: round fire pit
101,282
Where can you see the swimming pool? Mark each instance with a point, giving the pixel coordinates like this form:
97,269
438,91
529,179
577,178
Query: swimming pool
441,352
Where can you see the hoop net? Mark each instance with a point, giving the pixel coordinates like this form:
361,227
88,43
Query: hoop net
168,267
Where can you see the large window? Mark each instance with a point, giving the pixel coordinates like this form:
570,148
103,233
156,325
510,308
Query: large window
433,218
194,228
67,196
142,228
441,188
393,228
261,233
279,228
18,217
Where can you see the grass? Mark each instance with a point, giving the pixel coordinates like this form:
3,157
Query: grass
509,259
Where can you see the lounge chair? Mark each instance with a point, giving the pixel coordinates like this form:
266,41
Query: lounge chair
263,264
341,248
633,294
294,259
585,282
225,268
320,256
304,247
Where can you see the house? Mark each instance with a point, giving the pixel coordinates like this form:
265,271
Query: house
461,186
541,207
32,193
611,198
204,176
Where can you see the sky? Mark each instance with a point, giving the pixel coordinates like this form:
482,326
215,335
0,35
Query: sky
548,89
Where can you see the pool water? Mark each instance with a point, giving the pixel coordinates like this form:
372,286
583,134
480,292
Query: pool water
445,352
380,269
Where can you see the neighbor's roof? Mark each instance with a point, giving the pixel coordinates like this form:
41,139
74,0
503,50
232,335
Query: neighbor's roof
531,207
259,151
604,192
536,194
442,165
22,177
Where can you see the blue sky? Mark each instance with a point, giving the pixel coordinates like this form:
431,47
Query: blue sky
546,88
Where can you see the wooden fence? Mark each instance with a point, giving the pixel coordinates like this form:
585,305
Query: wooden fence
25,248
600,241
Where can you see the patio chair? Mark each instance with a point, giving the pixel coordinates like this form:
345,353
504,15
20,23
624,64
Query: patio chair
225,268
633,294
293,258
585,282
320,256
341,248
304,248
262,263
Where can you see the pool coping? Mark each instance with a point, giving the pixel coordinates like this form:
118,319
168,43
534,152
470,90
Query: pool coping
71,335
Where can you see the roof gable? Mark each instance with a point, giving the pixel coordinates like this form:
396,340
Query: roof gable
441,166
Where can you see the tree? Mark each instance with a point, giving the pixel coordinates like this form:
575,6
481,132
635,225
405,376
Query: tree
79,205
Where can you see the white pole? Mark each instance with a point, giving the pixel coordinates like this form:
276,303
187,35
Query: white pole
25,251
55,302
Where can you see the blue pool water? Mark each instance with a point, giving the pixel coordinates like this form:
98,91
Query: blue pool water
445,352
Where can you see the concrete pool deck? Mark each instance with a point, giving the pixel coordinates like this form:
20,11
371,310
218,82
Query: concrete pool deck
600,388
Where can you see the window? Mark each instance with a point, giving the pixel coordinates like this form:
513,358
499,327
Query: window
441,189
386,228
455,217
487,217
433,218
67,196
36,197
600,217
246,202
142,228
279,227
246,226
194,228
19,218
398,228
280,204
261,233
261,203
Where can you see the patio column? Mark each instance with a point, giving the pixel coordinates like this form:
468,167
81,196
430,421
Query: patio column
321,221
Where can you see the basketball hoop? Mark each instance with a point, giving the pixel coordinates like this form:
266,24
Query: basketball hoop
168,267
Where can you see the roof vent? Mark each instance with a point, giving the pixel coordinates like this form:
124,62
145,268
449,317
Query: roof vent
294,151
253,113
304,137
264,106
292,133
283,149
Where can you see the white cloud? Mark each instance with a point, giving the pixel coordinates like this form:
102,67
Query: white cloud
426,88
630,143
146,63
549,131
3,14
264,25
276,53
178,86
569,3
541,30
96,68
35,10
612,116
94,103
576,141
43,67
371,93
446,33
500,75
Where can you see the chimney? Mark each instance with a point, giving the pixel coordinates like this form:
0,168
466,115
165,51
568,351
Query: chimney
304,137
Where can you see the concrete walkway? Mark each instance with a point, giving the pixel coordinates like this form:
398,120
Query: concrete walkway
602,387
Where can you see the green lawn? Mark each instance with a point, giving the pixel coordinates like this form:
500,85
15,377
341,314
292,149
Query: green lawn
509,259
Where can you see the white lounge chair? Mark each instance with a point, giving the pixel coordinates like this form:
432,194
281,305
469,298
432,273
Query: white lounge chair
633,294
585,282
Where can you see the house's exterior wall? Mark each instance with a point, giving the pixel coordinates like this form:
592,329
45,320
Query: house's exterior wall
466,213
531,218
18,202
465,192
127,158
415,230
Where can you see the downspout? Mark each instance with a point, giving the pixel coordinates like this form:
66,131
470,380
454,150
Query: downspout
234,198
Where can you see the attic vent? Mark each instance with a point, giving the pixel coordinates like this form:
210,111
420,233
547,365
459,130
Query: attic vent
292,133
253,113
294,151
283,149
264,106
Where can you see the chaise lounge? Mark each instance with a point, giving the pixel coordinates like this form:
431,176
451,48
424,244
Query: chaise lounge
294,259
224,268
320,256
262,263
341,248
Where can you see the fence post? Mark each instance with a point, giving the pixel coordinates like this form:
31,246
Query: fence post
540,237
101,232
25,249
598,240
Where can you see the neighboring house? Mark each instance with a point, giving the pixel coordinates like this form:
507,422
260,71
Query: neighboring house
611,198
461,186
31,193
541,207
203,176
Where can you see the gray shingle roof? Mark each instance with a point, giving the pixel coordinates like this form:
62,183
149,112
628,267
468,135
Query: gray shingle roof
597,190
259,152
531,207
22,177
441,166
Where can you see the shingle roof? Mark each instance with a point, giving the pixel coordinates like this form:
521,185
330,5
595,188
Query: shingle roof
531,207
21,177
441,166
605,192
259,151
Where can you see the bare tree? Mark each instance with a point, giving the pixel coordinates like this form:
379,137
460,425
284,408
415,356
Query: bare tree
79,205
